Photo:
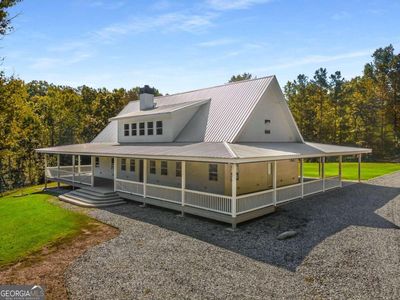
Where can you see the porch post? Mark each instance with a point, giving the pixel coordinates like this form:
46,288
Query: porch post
79,168
144,180
234,192
45,171
115,173
93,166
359,167
340,170
323,174
274,181
73,171
302,177
183,184
58,170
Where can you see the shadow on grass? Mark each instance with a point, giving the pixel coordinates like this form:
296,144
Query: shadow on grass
315,218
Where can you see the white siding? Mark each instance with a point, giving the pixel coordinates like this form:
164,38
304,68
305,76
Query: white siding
272,107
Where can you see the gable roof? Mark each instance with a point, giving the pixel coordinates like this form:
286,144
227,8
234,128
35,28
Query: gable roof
161,109
230,106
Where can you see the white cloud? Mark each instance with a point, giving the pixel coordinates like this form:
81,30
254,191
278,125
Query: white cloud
165,22
316,59
217,42
234,4
45,63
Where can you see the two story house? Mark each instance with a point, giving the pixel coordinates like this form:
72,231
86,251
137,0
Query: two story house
231,153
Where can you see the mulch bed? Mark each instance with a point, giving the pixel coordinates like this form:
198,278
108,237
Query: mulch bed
47,267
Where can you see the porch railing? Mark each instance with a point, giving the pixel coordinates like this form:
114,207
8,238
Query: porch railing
197,199
71,174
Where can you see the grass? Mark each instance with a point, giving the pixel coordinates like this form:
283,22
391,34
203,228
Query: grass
30,222
350,169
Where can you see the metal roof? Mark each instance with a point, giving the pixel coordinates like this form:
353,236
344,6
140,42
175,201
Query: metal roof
161,109
230,106
220,151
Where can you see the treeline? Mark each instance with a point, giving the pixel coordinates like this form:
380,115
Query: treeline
363,111
38,114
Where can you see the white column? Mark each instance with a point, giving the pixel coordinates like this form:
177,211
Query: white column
58,170
115,173
323,173
274,181
183,183
92,163
144,178
302,176
234,189
340,170
359,167
73,172
45,171
79,168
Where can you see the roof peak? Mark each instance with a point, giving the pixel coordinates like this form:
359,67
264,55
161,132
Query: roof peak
215,86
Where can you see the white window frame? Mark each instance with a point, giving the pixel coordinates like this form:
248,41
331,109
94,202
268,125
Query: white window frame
150,129
159,127
132,165
152,167
213,173
134,129
126,129
164,168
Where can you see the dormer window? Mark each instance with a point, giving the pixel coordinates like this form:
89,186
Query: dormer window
126,129
133,129
150,128
159,127
141,128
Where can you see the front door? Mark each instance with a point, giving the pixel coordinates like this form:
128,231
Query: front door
141,170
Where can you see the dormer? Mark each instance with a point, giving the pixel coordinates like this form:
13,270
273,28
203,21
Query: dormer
155,122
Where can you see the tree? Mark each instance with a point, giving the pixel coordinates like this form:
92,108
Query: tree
240,77
5,18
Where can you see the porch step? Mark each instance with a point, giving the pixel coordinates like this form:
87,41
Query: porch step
92,198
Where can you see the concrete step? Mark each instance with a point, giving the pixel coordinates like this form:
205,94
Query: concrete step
84,203
94,192
88,200
93,197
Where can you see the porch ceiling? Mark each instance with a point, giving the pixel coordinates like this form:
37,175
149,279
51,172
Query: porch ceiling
222,152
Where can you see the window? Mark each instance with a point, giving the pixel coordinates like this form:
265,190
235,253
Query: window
150,128
269,168
132,165
97,162
178,169
141,128
164,167
152,167
133,129
159,128
123,164
213,172
267,130
126,129
112,163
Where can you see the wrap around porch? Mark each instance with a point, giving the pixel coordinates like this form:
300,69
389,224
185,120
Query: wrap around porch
231,203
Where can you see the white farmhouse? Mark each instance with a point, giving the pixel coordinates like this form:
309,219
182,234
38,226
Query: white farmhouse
231,153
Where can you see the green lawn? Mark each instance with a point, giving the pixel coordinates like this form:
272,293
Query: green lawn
31,221
350,169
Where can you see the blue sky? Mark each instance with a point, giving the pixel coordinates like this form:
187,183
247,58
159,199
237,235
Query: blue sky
182,45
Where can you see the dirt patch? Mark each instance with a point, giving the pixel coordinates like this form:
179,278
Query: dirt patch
47,267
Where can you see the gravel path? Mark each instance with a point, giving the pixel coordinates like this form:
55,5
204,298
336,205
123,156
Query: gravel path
348,247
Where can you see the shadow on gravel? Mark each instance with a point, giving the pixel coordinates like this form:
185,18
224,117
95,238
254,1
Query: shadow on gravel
315,218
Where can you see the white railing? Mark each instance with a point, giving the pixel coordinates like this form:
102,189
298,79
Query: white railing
130,187
314,186
162,192
66,173
287,193
332,182
212,202
253,201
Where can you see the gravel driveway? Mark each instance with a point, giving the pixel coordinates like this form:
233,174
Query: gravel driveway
348,246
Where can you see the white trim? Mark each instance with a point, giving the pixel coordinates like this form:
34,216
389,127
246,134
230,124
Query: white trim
234,189
274,172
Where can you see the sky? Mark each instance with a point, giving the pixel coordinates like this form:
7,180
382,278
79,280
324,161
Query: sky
183,45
